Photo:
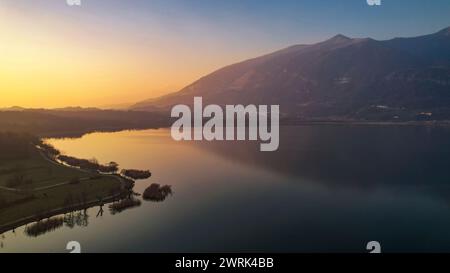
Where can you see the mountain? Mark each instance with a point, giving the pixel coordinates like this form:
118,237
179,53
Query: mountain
13,108
340,78
434,47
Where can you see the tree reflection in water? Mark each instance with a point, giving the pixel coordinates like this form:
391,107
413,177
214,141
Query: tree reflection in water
124,204
44,226
100,211
71,220
80,218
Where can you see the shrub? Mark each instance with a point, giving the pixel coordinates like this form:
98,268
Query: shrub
157,193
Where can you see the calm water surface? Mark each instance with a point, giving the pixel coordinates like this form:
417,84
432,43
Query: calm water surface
328,188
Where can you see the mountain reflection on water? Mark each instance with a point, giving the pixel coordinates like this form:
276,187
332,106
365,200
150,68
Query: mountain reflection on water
329,188
360,157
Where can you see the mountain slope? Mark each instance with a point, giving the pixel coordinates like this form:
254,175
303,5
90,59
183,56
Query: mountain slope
337,78
434,47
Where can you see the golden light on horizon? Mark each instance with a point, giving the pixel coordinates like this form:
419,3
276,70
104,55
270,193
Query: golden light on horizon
47,64
49,72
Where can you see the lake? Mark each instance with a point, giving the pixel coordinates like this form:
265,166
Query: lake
329,188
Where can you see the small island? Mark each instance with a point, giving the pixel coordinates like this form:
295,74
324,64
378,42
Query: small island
136,174
157,193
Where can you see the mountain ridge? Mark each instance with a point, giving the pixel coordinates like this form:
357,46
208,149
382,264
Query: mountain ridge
340,77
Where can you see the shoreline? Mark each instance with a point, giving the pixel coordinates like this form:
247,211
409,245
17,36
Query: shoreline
124,184
283,122
81,133
363,123
54,212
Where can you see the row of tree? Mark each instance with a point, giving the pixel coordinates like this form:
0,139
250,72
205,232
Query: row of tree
15,145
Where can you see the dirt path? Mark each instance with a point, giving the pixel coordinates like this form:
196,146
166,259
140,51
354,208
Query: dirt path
10,189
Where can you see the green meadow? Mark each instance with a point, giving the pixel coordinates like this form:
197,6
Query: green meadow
32,185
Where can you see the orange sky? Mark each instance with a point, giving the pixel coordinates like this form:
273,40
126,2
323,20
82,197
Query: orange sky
110,52
77,59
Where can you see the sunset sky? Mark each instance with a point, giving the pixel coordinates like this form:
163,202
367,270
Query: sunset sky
110,52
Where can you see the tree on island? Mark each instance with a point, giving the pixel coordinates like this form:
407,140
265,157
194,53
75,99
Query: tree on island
113,166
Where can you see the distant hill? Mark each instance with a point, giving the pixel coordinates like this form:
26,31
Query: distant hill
13,108
340,78
74,122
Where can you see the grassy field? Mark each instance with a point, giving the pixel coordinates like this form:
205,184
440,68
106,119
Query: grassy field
26,187
34,172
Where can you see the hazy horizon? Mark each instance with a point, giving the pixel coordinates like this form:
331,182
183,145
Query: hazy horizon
108,53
